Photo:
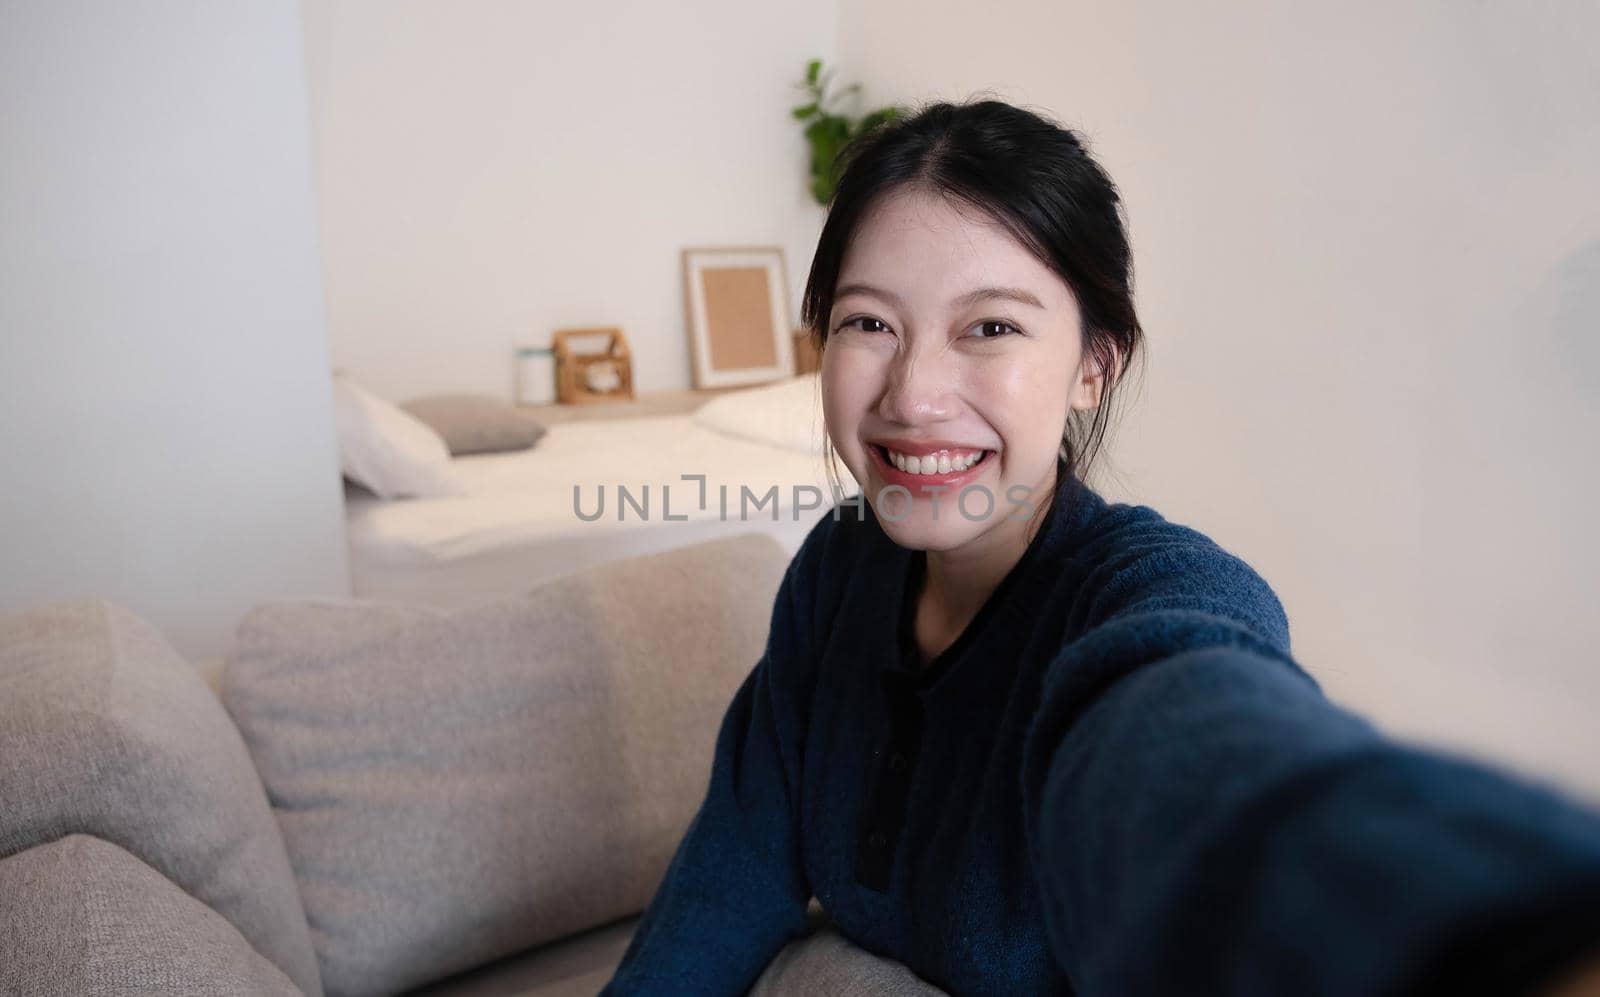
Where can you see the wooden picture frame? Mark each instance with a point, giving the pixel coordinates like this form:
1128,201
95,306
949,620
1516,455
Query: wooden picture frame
736,300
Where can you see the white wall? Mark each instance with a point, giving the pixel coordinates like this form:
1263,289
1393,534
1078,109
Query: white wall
490,172
1368,248
165,415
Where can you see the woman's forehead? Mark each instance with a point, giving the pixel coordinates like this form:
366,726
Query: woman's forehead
921,210
917,244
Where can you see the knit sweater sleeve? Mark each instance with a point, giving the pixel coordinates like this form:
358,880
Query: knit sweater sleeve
735,891
1202,820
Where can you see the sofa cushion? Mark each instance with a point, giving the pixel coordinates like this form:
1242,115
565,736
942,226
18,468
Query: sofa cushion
458,787
825,962
85,917
106,730
821,962
577,966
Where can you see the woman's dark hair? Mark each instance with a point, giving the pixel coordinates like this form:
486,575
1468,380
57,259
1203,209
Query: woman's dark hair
1034,177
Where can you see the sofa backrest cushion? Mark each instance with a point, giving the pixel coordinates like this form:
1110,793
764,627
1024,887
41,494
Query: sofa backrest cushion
84,917
455,787
106,730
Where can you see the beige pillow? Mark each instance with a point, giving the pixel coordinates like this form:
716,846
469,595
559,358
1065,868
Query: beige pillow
84,917
785,414
456,787
105,730
826,962
476,423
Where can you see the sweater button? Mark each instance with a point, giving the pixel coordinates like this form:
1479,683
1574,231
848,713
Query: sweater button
897,762
877,839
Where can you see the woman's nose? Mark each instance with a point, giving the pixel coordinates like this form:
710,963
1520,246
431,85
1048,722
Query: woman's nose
919,389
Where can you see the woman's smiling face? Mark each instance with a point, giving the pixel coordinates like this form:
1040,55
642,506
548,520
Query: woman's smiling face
948,340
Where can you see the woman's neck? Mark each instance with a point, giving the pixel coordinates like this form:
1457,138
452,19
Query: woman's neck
957,582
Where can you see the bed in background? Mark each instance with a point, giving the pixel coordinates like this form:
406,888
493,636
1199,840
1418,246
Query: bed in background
500,523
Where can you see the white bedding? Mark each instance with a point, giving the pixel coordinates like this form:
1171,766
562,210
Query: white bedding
517,527
786,414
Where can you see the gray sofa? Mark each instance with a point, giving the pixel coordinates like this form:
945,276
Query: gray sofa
374,798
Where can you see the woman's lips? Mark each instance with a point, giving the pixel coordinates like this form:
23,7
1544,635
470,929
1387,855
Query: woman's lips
911,482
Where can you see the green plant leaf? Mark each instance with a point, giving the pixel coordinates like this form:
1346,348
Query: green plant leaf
828,133
822,190
881,116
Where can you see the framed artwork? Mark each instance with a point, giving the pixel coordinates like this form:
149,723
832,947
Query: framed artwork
738,308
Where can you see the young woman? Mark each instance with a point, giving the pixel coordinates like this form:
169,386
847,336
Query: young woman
1026,741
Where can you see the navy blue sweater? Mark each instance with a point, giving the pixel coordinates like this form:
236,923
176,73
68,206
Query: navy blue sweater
1117,781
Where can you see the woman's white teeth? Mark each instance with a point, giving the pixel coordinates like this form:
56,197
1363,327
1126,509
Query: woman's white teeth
942,463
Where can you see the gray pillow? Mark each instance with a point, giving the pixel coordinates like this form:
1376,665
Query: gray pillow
106,730
84,917
456,787
476,423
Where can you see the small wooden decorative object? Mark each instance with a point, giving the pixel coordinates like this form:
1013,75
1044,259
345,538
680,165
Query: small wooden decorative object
592,376
807,360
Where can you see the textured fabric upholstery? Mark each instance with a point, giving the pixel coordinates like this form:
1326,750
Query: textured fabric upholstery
825,962
572,967
105,730
821,963
84,918
454,788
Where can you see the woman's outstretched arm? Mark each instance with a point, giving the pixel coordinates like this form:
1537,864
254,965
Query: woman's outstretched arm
1204,821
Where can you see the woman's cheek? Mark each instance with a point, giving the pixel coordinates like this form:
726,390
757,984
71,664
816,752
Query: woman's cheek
1023,398
1008,390
846,398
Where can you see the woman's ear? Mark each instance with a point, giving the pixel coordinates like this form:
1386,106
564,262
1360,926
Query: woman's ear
1090,388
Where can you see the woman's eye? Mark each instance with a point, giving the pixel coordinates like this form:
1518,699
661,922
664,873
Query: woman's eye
993,329
857,323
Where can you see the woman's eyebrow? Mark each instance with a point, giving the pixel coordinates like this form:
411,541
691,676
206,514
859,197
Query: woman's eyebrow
1016,294
977,294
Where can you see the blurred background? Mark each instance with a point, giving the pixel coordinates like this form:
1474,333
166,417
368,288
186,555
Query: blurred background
1367,243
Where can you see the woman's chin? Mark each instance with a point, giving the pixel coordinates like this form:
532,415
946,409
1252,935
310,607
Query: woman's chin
920,528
